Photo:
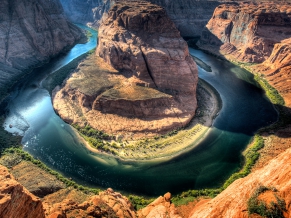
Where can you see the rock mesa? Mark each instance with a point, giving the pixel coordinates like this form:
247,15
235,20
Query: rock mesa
154,87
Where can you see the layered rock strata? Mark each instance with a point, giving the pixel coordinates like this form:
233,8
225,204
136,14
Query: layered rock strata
31,32
154,87
247,32
15,200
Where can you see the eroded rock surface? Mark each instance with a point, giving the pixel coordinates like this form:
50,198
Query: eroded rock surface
106,204
152,86
31,32
247,32
161,207
15,200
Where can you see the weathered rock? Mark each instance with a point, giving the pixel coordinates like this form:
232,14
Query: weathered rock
15,200
161,207
31,32
106,204
153,88
247,32
232,202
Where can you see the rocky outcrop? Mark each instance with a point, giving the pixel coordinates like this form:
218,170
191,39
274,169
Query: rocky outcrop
15,200
105,204
190,16
31,32
161,207
155,78
247,32
232,202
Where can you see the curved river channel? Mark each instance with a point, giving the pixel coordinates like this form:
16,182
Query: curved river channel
47,137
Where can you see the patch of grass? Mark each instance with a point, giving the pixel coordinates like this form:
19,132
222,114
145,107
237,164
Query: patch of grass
56,78
139,202
271,92
274,209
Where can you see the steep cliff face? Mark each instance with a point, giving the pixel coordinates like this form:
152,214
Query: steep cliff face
154,87
15,200
247,32
190,16
31,32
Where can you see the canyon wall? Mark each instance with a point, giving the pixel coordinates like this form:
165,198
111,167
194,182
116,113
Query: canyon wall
247,32
190,16
31,32
153,88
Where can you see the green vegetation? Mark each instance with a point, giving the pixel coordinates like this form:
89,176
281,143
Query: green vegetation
27,157
271,92
278,101
97,139
139,202
274,209
56,78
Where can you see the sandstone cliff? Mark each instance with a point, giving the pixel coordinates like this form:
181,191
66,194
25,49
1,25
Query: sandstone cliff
31,32
190,16
153,88
247,32
15,200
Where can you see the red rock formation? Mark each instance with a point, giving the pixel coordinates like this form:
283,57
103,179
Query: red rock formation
15,200
156,78
232,202
106,204
139,40
161,207
247,32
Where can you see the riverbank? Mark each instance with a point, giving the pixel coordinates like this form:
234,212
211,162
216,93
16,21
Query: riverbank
174,143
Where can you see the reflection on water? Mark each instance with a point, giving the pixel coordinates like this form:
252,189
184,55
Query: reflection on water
54,142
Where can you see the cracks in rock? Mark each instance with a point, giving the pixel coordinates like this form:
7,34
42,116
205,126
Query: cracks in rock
148,67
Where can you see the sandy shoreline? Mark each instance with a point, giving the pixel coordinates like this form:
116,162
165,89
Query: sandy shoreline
168,147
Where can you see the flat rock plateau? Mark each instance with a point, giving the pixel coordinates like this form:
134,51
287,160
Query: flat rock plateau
142,82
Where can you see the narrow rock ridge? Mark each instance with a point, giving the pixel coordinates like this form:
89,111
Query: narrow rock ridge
154,87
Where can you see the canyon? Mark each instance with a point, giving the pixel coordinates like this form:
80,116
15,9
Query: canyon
31,32
255,35
151,86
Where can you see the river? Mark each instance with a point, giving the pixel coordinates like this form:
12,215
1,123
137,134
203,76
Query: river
48,138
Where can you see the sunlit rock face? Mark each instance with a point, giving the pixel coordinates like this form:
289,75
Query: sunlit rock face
16,201
247,32
154,87
31,32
